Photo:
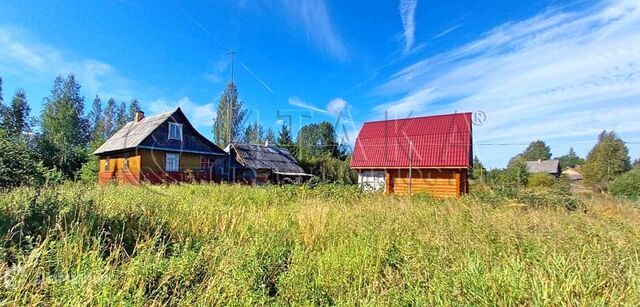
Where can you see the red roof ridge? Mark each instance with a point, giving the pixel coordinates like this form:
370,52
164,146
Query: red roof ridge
417,117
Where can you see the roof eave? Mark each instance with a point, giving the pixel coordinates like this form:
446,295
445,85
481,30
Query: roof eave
407,167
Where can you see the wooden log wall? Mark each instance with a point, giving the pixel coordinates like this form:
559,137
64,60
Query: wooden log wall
438,183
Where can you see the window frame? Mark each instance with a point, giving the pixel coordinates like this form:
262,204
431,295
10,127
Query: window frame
125,164
179,127
107,164
207,162
177,162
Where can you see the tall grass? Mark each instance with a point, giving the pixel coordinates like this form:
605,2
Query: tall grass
221,245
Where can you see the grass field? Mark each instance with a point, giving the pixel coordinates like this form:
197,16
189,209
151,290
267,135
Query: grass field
204,245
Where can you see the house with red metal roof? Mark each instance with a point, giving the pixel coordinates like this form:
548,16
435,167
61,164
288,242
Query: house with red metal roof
430,154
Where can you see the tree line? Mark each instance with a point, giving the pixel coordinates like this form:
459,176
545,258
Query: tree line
607,167
57,144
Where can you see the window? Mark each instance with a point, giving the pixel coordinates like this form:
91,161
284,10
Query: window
175,131
207,162
106,164
126,163
172,162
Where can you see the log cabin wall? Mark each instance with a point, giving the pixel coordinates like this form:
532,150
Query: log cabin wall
438,183
156,160
121,167
153,164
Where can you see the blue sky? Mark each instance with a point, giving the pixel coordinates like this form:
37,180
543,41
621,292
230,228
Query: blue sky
558,71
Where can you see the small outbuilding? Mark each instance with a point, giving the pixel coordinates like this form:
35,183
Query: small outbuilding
431,154
573,173
258,164
551,167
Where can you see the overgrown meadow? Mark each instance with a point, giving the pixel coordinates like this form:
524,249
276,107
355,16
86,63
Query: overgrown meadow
219,245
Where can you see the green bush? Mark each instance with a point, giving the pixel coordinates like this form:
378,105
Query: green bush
514,176
330,169
627,184
541,180
549,199
17,164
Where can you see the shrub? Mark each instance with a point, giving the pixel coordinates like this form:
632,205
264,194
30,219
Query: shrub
627,184
17,165
515,175
549,199
541,180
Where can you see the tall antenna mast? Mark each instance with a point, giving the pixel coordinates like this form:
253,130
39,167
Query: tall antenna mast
230,121
233,55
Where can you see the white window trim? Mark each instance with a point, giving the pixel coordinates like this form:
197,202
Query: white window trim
166,162
179,128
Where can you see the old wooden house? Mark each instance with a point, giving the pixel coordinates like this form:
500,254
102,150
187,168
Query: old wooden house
160,148
550,167
430,154
258,164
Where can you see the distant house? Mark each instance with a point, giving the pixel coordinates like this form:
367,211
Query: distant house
551,167
159,148
258,164
430,154
573,173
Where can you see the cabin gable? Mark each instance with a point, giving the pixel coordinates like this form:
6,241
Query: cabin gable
192,141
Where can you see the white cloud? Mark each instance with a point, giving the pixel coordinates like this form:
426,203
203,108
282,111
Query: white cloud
315,19
559,76
217,70
338,108
334,107
200,115
407,14
297,102
32,62
447,31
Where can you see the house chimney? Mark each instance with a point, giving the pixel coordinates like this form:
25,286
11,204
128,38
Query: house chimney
139,115
268,143
539,160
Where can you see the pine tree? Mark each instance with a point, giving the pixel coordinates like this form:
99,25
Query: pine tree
134,107
537,150
121,115
16,116
478,169
96,120
89,170
253,134
270,136
3,109
227,126
64,129
285,140
571,159
608,159
109,118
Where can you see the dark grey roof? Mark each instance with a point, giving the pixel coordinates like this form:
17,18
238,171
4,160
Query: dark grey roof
278,160
543,166
133,134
